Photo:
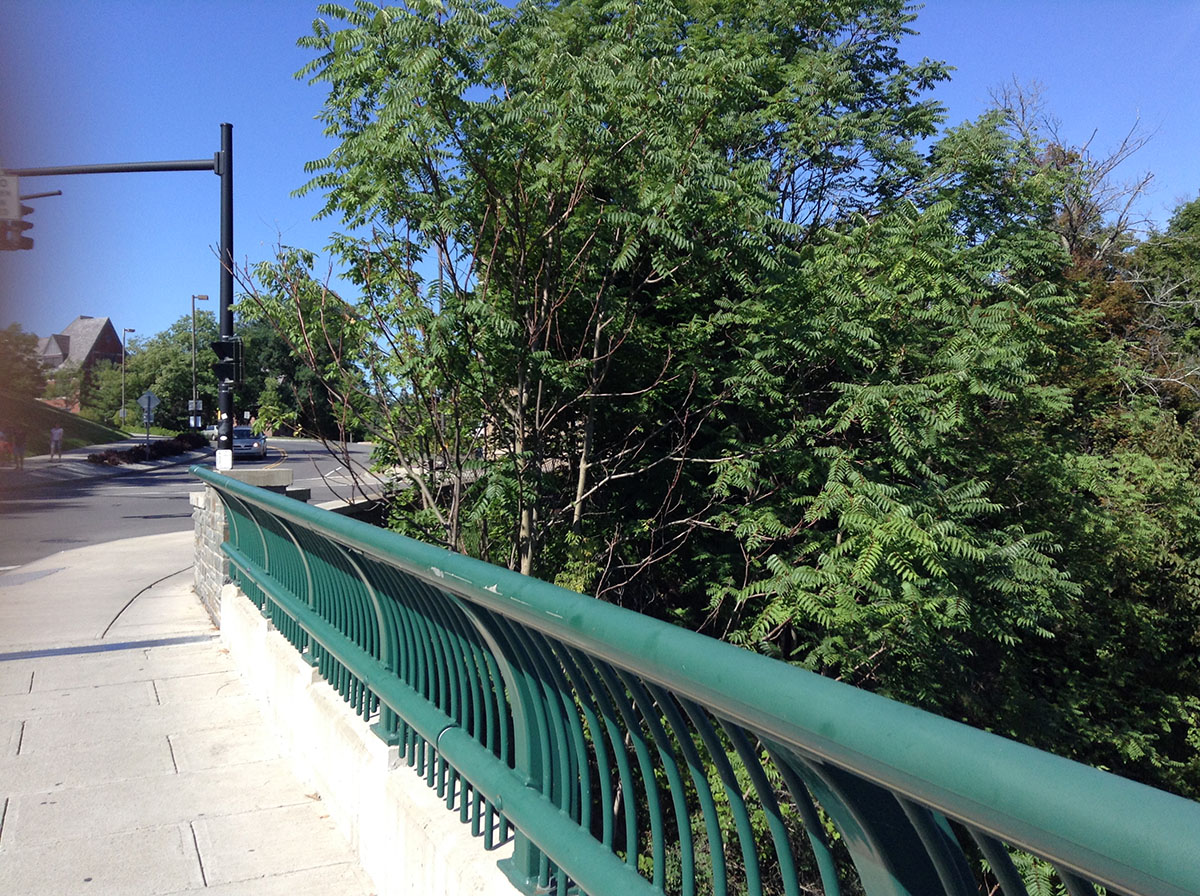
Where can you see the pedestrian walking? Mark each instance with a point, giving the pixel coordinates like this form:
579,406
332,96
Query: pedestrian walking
18,447
56,436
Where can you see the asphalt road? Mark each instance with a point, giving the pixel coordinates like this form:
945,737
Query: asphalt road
314,467
40,521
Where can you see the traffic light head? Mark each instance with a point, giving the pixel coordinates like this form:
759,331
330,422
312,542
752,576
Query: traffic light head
228,368
14,231
22,241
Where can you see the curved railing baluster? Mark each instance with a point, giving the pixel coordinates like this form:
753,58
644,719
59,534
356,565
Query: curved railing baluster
1074,884
1000,864
624,785
733,793
675,786
768,805
803,802
943,851
704,795
641,752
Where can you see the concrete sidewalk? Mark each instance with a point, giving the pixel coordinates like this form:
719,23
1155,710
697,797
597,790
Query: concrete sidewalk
132,758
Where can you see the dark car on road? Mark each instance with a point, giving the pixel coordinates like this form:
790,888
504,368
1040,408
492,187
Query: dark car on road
247,444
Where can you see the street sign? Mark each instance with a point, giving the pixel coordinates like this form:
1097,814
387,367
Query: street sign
148,400
10,198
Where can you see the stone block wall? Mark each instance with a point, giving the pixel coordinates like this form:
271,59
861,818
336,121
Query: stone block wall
211,570
208,521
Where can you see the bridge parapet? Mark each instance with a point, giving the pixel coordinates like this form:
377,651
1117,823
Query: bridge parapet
616,754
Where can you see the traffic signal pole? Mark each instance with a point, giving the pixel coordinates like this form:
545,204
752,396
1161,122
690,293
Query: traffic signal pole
221,164
224,388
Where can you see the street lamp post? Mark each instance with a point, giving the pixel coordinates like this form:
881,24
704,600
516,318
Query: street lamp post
123,332
195,410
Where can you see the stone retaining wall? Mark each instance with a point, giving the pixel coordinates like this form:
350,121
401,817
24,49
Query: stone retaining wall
208,522
211,570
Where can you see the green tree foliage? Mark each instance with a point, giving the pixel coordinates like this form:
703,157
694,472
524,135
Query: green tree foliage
99,395
658,300
907,383
304,353
21,373
66,383
161,364
1164,270
558,197
280,390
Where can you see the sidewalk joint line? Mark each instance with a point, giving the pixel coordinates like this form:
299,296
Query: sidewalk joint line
199,858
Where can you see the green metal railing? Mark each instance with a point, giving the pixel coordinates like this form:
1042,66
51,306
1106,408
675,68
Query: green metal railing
622,755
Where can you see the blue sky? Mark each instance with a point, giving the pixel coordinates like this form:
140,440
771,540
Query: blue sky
137,80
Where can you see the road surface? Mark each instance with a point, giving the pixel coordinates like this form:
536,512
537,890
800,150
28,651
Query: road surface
39,522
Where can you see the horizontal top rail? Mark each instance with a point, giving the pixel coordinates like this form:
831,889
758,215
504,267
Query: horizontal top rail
1116,832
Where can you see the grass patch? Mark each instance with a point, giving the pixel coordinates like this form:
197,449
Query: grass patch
37,419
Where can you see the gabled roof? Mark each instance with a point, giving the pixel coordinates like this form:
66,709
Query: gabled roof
82,342
84,333
53,350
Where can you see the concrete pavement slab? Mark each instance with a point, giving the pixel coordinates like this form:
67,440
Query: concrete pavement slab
64,670
153,861
90,698
106,761
126,734
223,747
267,841
170,606
11,731
15,679
328,880
113,807
65,732
75,596
189,688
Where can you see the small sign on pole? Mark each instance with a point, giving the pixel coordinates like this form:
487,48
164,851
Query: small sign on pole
10,198
148,401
